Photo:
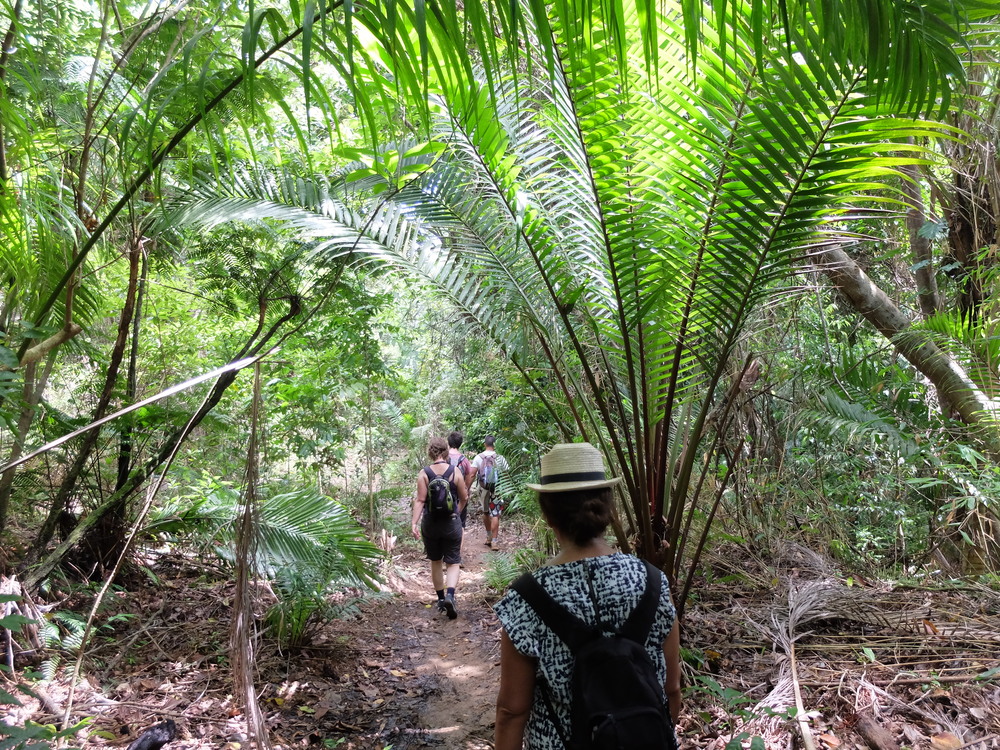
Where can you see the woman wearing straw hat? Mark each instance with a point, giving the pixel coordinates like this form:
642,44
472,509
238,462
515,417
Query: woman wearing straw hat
588,579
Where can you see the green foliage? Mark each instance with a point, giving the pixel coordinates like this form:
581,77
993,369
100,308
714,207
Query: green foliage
605,243
298,531
503,567
63,629
302,604
306,543
31,736
735,704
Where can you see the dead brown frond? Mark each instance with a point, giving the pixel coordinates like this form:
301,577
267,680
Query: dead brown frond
24,639
242,633
805,563
767,721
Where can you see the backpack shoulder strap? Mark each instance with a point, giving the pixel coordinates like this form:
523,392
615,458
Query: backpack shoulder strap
449,473
640,622
570,629
431,476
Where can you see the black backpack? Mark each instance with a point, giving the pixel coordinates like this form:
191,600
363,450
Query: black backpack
440,502
618,701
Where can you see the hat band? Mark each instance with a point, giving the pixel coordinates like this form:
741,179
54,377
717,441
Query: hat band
577,476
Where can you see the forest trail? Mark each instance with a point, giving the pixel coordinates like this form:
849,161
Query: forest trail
447,671
388,670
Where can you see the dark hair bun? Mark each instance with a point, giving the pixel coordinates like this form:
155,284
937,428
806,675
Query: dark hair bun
581,515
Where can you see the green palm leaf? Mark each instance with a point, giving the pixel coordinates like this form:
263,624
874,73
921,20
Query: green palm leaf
616,225
301,531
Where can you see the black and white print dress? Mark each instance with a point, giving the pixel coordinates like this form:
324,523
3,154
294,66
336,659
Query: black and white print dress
619,581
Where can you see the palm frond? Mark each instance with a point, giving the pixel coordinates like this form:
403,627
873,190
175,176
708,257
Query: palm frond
301,531
854,424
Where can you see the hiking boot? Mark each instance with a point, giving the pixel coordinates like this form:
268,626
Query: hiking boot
441,607
449,607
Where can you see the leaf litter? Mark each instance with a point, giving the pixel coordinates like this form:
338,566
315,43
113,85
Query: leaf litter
875,665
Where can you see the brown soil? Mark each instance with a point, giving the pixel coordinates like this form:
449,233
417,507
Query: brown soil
392,671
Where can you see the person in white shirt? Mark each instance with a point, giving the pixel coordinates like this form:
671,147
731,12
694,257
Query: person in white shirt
488,467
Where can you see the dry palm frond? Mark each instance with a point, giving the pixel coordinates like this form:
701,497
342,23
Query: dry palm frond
242,633
814,601
804,560
928,712
768,721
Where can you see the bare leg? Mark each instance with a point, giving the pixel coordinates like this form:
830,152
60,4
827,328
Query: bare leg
494,527
437,574
486,514
452,573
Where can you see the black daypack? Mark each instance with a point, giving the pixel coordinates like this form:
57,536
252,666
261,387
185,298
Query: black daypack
618,701
440,502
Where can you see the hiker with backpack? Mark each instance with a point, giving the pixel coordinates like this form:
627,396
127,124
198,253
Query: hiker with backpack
589,651
457,459
487,468
441,494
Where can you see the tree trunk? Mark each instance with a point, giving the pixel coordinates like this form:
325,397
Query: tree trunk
253,347
35,575
90,439
131,383
33,390
966,400
920,247
971,226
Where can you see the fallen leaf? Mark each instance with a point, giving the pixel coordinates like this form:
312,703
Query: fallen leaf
830,740
945,741
307,710
978,713
398,672
913,735
330,699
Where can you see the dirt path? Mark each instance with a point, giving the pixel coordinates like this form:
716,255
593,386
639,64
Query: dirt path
389,671
444,674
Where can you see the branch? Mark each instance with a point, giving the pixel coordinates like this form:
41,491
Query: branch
157,158
37,352
947,375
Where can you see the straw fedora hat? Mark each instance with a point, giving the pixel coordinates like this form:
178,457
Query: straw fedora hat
573,466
